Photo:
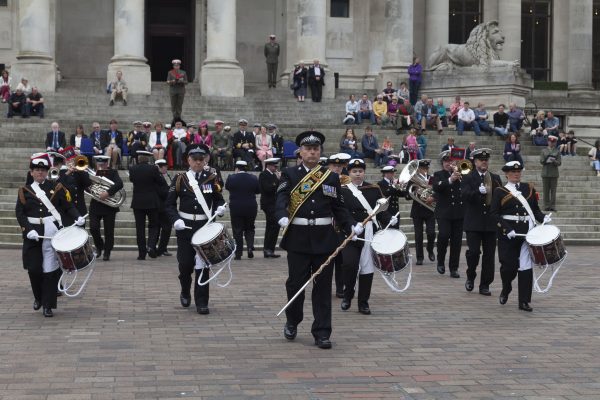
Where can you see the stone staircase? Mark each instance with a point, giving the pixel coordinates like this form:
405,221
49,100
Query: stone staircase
82,102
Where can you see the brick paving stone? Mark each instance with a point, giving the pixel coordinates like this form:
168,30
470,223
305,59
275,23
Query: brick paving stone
128,338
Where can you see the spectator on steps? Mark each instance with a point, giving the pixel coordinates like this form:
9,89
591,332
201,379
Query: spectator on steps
481,117
179,142
422,142
17,104
35,103
137,139
412,146
264,146
449,145
380,110
388,92
552,124
415,73
392,111
562,143
118,88
365,110
5,86
512,149
594,156
418,109
501,121
455,108
371,148
316,80
466,120
538,125
349,144
75,139
158,141
113,143
405,118
403,93
300,81
55,139
515,118
24,86
470,148
571,143
441,111
430,117
222,148
352,110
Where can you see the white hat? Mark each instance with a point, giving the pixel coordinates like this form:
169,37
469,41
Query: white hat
160,162
273,160
241,163
176,61
144,153
388,168
101,158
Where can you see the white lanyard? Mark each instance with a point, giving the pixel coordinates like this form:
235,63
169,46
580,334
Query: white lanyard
40,194
522,200
199,196
358,194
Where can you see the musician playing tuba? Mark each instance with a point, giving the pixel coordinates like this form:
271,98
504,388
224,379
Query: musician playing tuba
477,188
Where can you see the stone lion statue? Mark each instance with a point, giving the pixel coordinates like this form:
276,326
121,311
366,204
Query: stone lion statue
481,50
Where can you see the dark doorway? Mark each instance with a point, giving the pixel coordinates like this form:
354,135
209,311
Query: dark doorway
170,32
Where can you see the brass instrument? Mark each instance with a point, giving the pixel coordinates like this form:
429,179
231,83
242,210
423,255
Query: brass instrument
420,190
53,173
463,166
99,184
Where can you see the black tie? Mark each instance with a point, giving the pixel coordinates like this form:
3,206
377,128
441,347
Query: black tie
197,175
518,186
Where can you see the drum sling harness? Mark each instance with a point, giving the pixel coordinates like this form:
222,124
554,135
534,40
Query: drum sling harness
40,194
199,197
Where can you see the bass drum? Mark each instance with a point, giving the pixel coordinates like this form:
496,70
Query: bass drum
391,255
75,255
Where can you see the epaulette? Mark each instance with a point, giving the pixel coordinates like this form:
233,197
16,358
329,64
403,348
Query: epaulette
178,179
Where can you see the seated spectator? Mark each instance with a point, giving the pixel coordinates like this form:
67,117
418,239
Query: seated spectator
365,110
571,143
501,121
35,103
158,141
180,139
412,146
264,146
388,92
422,142
75,139
515,118
552,124
387,146
118,88
562,143
470,148
55,139
5,84
17,104
222,148
594,156
137,139
24,86
204,136
392,111
466,120
481,117
455,108
403,93
113,142
371,148
276,138
512,149
441,111
349,144
380,110
418,109
538,125
404,118
98,139
430,117
449,145
352,110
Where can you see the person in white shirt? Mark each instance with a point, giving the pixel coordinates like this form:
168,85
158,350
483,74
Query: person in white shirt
24,86
179,143
466,120
352,109
158,141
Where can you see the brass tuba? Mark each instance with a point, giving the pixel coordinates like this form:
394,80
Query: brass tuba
420,190
99,184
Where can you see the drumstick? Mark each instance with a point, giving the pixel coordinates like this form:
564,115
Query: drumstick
214,216
521,234
188,227
544,222
389,223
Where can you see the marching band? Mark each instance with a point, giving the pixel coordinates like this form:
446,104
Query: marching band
328,214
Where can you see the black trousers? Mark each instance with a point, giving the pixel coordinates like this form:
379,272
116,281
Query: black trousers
164,232
109,231
243,227
316,91
338,265
186,261
271,231
140,228
481,243
449,230
508,254
300,268
429,229
44,286
351,258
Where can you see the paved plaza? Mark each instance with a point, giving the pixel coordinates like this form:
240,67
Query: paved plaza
128,338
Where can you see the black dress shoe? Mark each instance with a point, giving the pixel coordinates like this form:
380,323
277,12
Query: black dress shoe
525,307
237,257
152,253
364,310
250,254
141,257
98,253
272,255
485,292
48,312
454,274
345,305
339,295
36,305
469,285
202,310
431,256
290,331
166,253
185,300
323,343
106,256
503,298
419,262
441,269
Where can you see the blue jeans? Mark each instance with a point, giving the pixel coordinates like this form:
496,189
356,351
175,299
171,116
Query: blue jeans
462,125
366,114
515,126
501,131
597,165
484,126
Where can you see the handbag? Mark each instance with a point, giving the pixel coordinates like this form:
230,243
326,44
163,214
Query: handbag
295,85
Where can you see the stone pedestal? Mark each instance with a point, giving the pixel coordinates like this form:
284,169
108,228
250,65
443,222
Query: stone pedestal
136,74
222,79
492,87
580,47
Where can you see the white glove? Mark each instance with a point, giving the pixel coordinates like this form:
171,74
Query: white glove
394,220
283,222
482,189
354,238
547,219
80,221
358,229
179,225
511,235
220,211
33,235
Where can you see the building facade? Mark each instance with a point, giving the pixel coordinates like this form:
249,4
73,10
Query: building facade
221,41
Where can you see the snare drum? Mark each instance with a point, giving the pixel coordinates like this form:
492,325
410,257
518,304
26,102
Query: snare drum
213,243
73,248
545,245
390,250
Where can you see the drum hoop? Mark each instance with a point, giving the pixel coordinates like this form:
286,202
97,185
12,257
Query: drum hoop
388,232
209,225
59,236
528,237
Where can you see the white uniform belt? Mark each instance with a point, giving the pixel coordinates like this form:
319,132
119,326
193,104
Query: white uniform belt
522,218
312,221
193,217
39,221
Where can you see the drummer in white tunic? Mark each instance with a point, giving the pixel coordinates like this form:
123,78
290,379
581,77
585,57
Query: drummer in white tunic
514,206
360,198
38,212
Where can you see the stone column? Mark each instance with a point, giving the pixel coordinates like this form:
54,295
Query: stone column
34,60
398,48
560,41
509,19
221,74
312,38
580,45
436,26
129,47
490,10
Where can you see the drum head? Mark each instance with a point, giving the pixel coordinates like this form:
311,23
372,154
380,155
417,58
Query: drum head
542,234
70,238
207,233
389,241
